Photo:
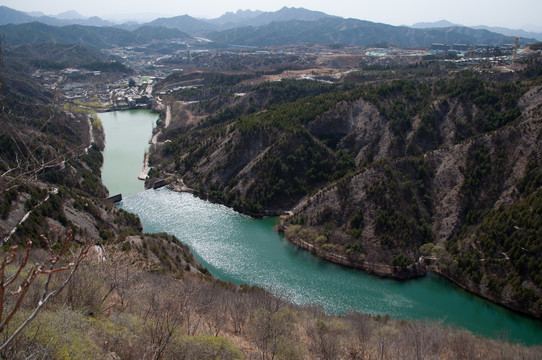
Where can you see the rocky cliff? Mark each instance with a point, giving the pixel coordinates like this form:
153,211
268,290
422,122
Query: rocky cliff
392,177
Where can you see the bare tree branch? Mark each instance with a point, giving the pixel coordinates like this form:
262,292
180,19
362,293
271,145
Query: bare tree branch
46,267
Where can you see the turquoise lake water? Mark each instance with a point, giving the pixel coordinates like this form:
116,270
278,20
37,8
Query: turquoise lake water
237,248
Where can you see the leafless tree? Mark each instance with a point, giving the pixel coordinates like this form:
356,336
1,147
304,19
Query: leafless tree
327,337
462,345
162,315
421,336
119,277
214,313
385,336
272,331
361,326
83,292
189,298
15,284
238,307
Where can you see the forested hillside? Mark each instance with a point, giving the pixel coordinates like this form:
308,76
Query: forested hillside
55,217
391,170
90,36
351,32
394,170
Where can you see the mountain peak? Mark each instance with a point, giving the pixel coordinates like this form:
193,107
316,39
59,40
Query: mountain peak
237,17
69,15
292,13
435,24
247,12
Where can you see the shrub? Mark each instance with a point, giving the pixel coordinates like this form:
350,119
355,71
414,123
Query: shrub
206,347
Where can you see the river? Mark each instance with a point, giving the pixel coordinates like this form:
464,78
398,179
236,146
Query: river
237,248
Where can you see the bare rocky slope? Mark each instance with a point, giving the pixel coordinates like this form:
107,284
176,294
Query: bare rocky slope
445,210
134,296
50,182
395,177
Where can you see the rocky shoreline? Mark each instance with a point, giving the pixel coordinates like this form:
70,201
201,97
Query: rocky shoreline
383,270
493,297
414,271
417,270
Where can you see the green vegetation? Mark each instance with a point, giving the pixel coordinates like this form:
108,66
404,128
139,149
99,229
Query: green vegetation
371,156
508,246
96,123
208,347
307,164
497,103
114,307
402,216
280,143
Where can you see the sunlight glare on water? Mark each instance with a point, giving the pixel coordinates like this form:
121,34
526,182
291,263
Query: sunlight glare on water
240,249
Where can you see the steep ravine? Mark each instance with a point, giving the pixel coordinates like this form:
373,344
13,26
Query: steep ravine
394,179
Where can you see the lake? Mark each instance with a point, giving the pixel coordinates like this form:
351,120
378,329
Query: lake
241,249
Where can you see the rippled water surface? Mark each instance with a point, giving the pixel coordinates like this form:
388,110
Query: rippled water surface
238,248
244,250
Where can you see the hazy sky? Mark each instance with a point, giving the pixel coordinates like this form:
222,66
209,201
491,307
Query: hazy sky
513,14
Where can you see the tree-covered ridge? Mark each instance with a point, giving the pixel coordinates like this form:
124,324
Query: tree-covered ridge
391,176
351,32
403,207
89,36
50,169
505,246
277,113
488,106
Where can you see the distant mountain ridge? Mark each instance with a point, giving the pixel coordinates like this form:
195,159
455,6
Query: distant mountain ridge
184,23
68,15
511,32
436,24
499,30
11,16
238,16
229,20
241,18
352,32
248,28
286,14
92,36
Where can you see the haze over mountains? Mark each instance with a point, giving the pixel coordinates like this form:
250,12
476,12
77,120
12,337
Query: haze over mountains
500,30
248,28
227,21
11,16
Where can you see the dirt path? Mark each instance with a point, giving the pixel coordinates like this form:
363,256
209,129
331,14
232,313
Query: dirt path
154,140
90,132
168,116
146,168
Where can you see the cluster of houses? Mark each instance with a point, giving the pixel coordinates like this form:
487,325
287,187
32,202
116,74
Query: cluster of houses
91,88
137,95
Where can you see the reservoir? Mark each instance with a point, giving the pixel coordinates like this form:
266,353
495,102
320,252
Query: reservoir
126,140
237,248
